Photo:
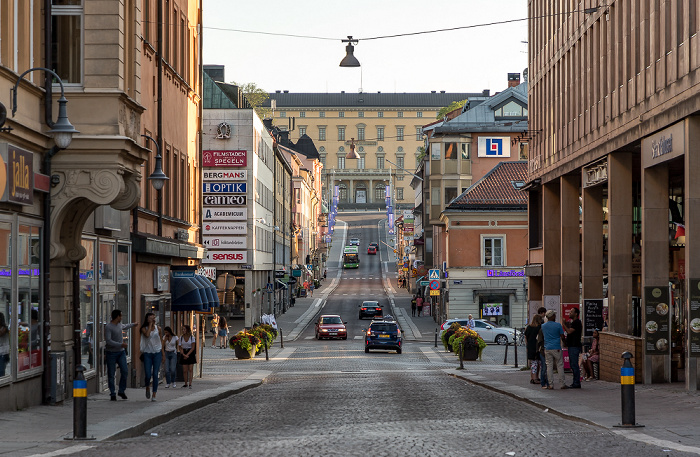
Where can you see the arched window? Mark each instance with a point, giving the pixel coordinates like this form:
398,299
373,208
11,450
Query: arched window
379,192
342,192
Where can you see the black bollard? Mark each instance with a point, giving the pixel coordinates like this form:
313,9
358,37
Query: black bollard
279,329
267,356
505,355
80,405
627,392
436,335
515,346
461,355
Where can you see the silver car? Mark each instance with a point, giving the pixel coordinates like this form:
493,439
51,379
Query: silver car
354,241
488,331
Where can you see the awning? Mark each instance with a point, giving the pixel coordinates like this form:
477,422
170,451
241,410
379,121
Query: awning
185,295
212,298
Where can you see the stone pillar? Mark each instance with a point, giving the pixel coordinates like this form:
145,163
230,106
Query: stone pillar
551,241
655,263
570,238
351,191
691,208
249,314
370,191
592,243
620,207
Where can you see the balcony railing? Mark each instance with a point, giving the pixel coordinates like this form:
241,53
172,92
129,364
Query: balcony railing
367,171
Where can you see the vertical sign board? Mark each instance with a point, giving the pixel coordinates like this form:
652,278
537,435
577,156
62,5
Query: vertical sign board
592,316
656,320
19,187
694,318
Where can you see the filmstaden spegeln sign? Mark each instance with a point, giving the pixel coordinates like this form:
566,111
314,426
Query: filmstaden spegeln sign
211,158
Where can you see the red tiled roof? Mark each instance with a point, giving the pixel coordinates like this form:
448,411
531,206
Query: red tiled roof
500,186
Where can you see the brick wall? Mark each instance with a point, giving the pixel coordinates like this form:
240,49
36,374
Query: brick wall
612,345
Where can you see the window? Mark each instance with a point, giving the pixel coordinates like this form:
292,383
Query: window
302,113
341,162
379,192
67,36
380,113
147,20
361,163
360,114
28,293
380,133
435,196
523,151
399,133
342,192
323,160
321,114
450,194
360,134
450,151
380,162
302,131
492,252
400,161
87,311
419,114
399,114
465,151
399,193
419,134
283,114
341,113
322,134
341,133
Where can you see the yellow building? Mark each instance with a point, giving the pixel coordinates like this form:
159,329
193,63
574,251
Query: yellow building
385,128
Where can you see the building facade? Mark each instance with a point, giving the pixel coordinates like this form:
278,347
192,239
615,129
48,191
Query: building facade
384,128
615,100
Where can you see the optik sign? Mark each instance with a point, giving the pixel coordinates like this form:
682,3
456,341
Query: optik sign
224,187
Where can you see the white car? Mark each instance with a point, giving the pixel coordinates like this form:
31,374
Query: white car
488,331
354,241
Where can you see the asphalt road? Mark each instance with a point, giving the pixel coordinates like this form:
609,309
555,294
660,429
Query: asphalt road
329,398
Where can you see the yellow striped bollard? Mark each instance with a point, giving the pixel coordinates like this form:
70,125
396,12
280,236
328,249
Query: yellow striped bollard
627,392
79,404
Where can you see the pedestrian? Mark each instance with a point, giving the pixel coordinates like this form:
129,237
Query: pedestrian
592,356
311,289
544,381
188,357
470,322
170,345
152,352
413,306
215,330
553,334
324,273
542,311
223,331
419,305
573,342
531,332
4,345
115,354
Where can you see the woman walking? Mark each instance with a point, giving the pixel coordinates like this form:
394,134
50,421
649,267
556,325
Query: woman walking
531,332
214,330
170,345
188,345
152,351
223,331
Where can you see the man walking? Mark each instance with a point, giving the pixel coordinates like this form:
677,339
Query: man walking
553,334
573,342
419,304
115,354
413,306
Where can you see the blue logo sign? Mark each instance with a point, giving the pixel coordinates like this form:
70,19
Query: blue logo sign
224,187
494,147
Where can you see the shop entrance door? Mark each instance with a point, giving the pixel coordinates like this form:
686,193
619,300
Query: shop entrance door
104,314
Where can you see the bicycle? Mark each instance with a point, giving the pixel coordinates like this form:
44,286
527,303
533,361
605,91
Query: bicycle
520,336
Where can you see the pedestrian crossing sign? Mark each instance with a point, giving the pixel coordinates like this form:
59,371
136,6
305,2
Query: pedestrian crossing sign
434,274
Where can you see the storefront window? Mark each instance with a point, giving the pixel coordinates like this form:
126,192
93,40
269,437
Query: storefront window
123,264
87,306
28,298
5,299
106,262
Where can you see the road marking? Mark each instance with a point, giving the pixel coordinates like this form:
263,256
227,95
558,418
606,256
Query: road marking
359,337
430,353
66,451
308,337
283,355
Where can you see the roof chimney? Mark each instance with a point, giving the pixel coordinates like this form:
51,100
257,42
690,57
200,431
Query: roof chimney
513,79
286,91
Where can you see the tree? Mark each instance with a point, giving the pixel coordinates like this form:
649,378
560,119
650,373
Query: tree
256,97
451,107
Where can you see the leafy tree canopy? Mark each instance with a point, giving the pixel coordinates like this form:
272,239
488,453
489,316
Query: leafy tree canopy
255,96
449,108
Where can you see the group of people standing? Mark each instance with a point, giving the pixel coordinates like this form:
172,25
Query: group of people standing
156,344
219,330
546,339
416,305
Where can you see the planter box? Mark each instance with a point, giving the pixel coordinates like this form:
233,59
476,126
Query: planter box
242,353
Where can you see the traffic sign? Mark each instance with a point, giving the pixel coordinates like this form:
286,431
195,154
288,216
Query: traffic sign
309,267
434,284
269,288
434,274
424,283
434,292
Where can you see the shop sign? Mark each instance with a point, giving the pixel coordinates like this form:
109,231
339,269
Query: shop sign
226,257
224,200
19,182
224,214
664,145
592,316
224,158
656,320
504,273
694,318
224,188
224,242
224,228
494,147
225,175
209,272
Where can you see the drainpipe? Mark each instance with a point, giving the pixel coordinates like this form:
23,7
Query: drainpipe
46,259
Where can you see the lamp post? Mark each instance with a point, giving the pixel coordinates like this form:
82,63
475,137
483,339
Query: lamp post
157,180
62,132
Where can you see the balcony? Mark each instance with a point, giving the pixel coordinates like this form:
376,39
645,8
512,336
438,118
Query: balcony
353,172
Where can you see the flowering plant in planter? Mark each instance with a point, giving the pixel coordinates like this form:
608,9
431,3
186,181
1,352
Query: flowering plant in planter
265,333
470,338
447,334
245,340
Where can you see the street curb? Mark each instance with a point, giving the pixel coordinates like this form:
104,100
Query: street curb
141,428
450,372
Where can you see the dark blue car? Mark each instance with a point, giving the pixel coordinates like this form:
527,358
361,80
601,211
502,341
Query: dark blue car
383,335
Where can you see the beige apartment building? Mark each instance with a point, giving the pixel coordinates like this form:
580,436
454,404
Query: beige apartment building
614,197
384,128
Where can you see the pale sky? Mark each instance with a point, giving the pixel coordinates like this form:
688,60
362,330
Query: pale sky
469,60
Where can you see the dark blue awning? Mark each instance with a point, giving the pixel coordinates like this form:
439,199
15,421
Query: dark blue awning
210,290
185,295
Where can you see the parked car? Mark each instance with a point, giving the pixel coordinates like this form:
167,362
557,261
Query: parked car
331,326
371,309
372,250
488,331
354,241
383,335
